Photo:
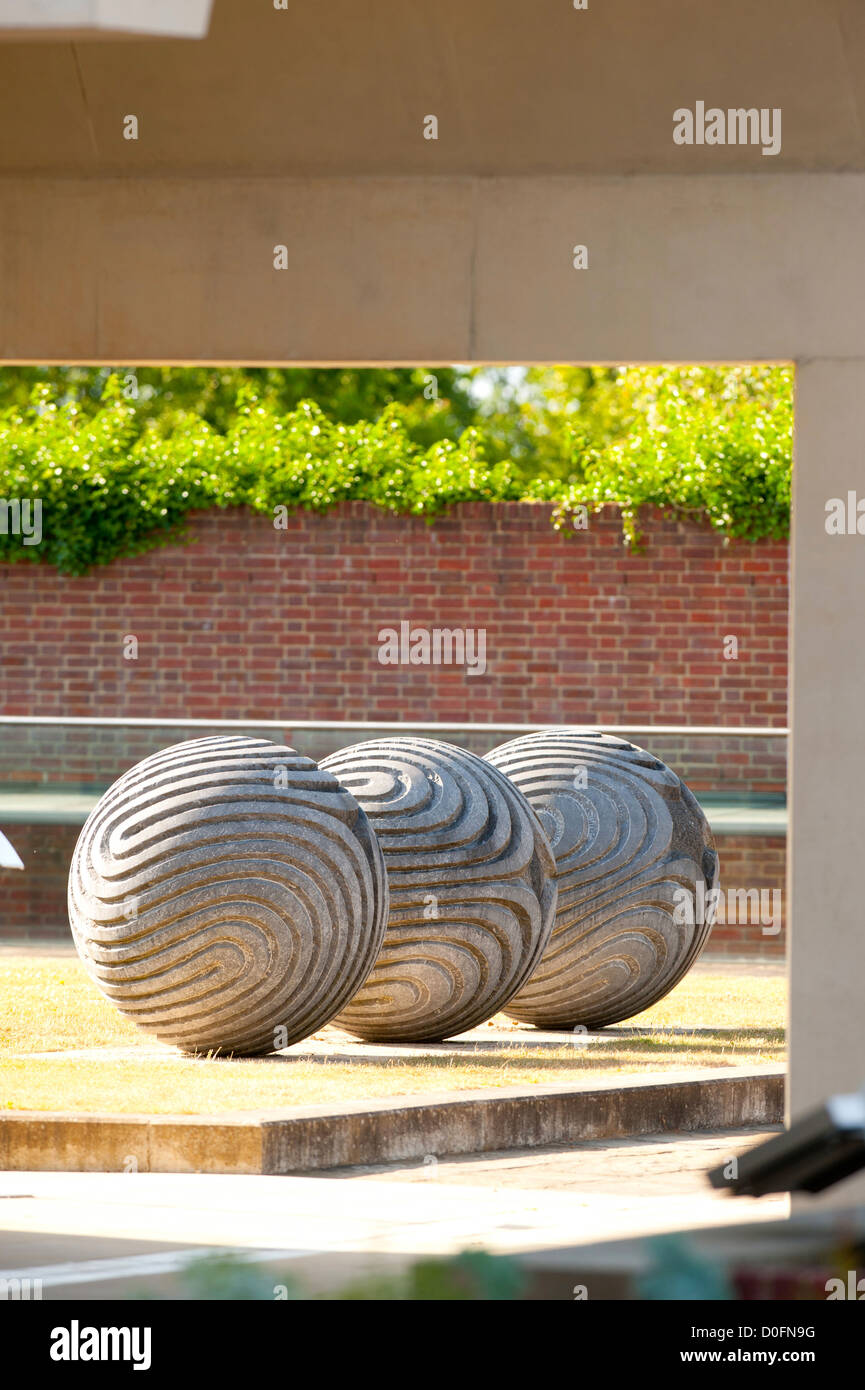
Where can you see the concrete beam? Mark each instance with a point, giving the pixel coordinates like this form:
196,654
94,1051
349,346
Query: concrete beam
427,270
341,88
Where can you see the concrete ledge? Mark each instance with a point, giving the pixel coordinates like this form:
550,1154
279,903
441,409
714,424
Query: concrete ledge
55,804
305,1138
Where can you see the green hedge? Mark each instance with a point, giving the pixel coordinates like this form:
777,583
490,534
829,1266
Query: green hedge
116,481
713,442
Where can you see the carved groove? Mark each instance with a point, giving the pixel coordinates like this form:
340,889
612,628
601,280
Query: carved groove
624,843
459,841
225,888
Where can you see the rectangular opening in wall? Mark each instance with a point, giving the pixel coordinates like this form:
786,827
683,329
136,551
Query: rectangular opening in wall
542,609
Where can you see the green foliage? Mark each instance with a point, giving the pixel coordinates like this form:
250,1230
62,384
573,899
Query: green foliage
117,477
709,441
678,1271
108,486
472,1276
437,400
542,417
228,1277
114,484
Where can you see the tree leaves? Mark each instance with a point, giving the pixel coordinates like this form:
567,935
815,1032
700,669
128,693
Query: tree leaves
117,478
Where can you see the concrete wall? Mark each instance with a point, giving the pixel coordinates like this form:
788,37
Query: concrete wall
519,89
828,746
446,269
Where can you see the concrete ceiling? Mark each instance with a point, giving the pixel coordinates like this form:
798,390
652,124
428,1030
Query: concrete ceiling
518,86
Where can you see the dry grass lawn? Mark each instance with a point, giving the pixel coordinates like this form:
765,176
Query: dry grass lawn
48,1005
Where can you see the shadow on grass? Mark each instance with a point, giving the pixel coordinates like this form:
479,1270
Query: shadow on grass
573,1052
520,1055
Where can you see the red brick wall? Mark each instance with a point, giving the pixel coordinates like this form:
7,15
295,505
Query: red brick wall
252,622
751,862
33,904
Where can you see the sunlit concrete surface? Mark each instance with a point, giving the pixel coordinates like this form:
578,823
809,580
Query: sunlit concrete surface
108,1235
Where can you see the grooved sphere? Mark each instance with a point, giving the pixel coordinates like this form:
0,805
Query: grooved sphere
228,895
630,842
472,888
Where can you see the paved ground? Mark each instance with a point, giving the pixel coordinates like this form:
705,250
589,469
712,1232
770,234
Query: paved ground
98,1235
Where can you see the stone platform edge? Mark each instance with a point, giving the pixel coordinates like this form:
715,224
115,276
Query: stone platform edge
305,1138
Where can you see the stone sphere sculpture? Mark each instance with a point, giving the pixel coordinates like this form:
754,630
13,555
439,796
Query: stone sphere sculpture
630,842
228,896
472,890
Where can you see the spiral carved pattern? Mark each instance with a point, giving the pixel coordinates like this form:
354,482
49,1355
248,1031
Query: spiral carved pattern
628,836
228,895
472,888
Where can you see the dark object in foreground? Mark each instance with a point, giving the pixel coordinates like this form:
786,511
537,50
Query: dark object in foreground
818,1150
